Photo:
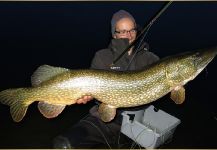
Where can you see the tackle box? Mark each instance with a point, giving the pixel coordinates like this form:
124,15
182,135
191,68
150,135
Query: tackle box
150,127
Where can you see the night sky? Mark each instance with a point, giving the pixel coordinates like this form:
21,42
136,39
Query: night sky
67,34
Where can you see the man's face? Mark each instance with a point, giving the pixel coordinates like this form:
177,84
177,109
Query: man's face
125,28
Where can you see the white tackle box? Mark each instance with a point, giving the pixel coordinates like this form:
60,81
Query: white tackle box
149,128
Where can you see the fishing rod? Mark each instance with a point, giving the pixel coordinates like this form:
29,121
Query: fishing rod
142,32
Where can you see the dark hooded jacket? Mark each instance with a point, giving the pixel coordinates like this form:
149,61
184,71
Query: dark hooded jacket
141,57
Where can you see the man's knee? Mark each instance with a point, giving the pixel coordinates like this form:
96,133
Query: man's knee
85,131
71,137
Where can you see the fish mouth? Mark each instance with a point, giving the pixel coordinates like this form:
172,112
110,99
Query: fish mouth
203,57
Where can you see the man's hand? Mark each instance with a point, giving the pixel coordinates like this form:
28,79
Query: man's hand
84,100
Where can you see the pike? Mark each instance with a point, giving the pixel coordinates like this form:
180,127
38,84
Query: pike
56,87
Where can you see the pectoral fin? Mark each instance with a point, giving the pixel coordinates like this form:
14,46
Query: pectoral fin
49,110
107,112
178,95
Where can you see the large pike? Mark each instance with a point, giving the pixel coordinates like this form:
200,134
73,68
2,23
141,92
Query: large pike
56,87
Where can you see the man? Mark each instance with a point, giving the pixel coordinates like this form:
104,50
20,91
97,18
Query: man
91,132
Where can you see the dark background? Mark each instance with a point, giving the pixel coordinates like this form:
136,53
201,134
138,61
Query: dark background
67,34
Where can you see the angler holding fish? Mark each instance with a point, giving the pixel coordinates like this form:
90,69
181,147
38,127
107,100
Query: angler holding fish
56,87
124,32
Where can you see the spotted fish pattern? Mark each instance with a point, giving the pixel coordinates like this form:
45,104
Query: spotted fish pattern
56,87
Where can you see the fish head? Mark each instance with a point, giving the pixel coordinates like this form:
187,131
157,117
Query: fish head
202,58
186,66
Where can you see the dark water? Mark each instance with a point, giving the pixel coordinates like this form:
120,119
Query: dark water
67,34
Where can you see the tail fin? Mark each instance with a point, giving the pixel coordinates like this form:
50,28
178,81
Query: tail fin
15,98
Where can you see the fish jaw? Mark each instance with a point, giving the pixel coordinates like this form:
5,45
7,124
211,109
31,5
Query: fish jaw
203,57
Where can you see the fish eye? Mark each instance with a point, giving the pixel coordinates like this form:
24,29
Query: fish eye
197,58
198,54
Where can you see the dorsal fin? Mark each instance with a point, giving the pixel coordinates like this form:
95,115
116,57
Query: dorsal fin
44,73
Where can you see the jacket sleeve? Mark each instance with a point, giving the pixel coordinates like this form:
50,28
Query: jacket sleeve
97,62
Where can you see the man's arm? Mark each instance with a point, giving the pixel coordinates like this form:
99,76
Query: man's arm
84,99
